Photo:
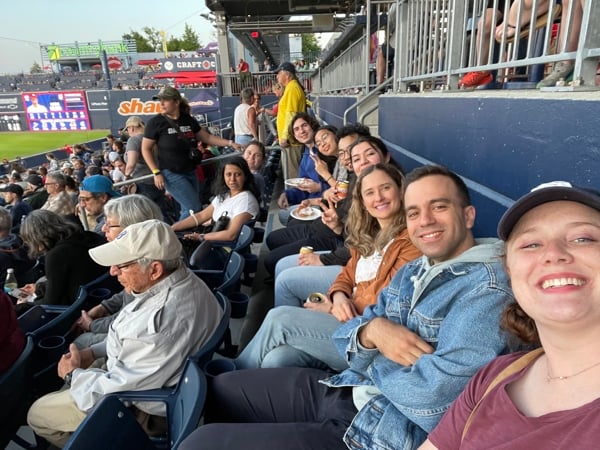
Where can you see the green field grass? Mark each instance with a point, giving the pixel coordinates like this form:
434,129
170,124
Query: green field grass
28,143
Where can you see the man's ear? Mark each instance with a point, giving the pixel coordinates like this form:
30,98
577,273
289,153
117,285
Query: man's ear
469,212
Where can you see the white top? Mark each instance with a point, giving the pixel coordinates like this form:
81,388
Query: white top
241,203
240,120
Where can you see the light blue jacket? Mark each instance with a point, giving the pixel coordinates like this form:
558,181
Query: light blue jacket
455,306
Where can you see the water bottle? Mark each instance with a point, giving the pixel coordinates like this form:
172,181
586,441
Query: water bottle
11,281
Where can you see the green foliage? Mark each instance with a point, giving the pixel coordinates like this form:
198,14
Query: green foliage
35,68
151,40
140,41
310,45
154,38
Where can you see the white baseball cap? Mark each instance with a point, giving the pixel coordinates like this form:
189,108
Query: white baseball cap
151,239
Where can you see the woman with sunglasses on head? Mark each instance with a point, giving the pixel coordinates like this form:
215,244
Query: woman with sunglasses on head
379,246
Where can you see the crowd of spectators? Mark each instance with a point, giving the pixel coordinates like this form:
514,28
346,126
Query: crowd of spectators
385,303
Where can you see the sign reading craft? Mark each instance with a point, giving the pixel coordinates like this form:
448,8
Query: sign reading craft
188,64
56,111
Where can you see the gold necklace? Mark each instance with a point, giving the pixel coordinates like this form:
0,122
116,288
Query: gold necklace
550,378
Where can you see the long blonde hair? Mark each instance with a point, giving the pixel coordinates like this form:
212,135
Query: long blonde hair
364,232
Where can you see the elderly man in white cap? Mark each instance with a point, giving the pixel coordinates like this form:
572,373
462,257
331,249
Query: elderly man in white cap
172,316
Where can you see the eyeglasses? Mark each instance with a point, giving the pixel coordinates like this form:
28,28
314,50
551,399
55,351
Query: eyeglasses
49,184
111,226
126,265
85,199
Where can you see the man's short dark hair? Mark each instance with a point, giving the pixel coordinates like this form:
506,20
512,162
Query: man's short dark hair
425,171
353,128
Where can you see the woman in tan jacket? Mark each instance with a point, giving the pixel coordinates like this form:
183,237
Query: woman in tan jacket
379,245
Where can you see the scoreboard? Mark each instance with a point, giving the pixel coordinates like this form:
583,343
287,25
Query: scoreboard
56,111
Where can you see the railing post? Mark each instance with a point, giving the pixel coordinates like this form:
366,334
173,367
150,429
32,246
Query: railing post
456,33
586,62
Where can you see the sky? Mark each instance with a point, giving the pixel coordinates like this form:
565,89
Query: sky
28,23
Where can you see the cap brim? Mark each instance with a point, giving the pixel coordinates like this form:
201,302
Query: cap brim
539,197
111,254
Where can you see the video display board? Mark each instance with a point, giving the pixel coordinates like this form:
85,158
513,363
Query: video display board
56,111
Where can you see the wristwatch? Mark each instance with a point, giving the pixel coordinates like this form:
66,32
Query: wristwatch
68,378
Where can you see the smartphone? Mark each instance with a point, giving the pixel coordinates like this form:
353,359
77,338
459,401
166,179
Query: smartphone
325,203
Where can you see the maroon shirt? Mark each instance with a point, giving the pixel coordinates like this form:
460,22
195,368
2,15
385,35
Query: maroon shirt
12,339
499,425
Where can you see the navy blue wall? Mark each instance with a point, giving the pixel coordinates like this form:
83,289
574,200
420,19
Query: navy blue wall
501,146
331,109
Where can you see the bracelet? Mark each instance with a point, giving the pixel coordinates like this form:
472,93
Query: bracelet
194,217
330,178
155,172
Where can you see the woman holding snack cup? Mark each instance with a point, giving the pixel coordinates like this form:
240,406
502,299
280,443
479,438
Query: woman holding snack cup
379,246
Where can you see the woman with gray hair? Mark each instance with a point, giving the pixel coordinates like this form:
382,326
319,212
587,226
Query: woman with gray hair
120,212
64,245
58,199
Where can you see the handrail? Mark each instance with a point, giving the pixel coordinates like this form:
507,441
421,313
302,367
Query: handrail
205,162
367,97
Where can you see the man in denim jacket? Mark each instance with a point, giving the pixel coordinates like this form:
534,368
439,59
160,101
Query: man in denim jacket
410,355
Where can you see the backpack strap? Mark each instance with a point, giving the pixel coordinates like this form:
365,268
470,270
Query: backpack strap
509,370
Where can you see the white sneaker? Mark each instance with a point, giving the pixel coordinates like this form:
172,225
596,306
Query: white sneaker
562,69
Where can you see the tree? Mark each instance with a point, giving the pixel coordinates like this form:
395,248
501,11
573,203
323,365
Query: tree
189,40
310,46
35,68
154,38
141,42
151,40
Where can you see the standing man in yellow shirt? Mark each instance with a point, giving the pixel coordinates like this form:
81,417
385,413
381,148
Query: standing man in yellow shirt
293,101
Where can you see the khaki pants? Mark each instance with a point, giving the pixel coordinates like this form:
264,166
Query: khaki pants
290,161
55,417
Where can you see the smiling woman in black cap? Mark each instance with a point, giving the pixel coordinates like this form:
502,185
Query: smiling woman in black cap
176,132
547,398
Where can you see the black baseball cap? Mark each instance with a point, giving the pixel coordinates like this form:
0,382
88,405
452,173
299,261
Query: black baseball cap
287,66
545,193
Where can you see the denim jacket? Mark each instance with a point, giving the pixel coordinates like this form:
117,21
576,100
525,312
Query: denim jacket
454,306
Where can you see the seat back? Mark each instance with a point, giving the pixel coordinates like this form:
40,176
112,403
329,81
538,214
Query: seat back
233,274
110,416
207,351
15,384
244,240
186,406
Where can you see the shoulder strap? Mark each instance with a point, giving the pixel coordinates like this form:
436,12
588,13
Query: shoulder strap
180,133
509,370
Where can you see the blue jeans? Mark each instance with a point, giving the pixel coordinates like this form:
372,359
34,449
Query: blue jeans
291,287
293,337
185,188
243,139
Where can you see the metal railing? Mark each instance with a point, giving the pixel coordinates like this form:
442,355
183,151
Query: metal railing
436,42
261,82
